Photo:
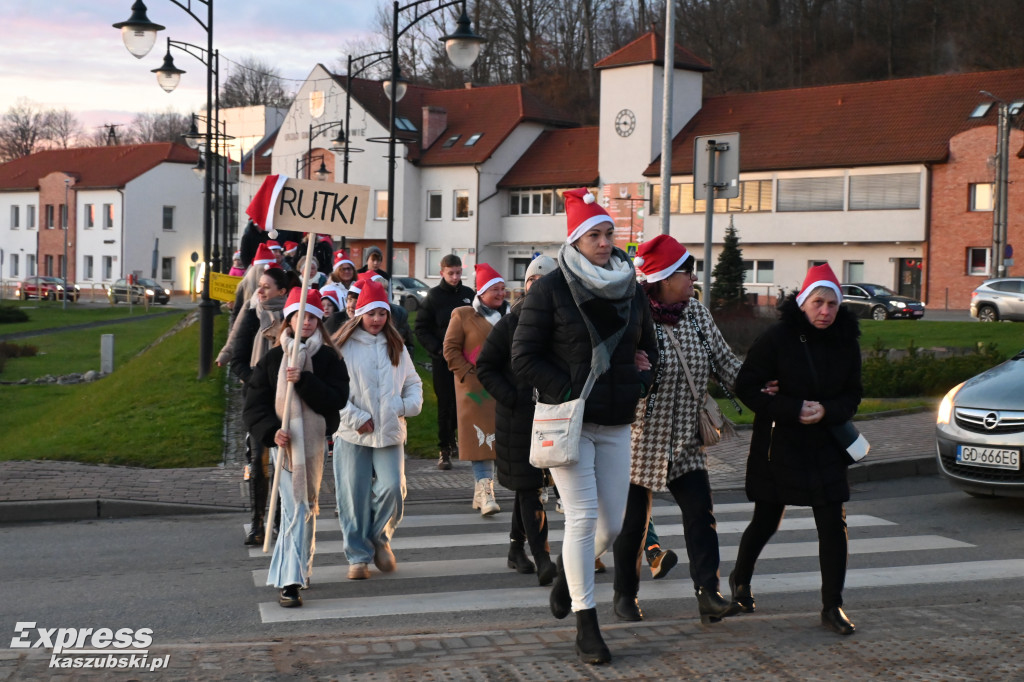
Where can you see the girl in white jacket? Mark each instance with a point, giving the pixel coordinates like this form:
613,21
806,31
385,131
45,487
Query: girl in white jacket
369,447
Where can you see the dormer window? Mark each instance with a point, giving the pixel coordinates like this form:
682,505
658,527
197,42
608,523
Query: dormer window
981,110
473,139
450,142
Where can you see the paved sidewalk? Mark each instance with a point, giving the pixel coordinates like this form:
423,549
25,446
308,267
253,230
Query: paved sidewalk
902,445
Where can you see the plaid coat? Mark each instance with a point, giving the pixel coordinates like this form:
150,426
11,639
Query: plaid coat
665,439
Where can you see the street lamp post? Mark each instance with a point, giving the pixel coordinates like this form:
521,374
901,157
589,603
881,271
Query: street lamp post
218,164
139,35
337,144
1002,184
64,274
463,47
377,58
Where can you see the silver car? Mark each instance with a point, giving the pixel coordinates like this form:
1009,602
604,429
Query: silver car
980,432
999,299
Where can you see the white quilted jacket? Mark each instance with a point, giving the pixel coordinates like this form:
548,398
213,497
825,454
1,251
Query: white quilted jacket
378,390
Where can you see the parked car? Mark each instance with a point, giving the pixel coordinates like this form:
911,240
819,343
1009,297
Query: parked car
979,432
48,288
999,299
408,292
880,303
141,289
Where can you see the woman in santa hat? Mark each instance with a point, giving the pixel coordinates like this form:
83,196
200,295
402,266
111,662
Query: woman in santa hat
344,272
668,454
588,316
794,459
320,381
369,446
463,341
244,293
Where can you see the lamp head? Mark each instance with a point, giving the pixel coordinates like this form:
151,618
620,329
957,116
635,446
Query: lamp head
401,85
463,45
168,75
138,32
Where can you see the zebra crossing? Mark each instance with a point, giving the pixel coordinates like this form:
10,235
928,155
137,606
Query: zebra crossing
434,549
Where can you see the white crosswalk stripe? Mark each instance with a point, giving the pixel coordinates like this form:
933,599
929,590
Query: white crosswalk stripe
476,545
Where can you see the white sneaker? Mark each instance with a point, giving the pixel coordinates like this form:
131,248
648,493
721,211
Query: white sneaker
543,496
558,506
487,504
477,496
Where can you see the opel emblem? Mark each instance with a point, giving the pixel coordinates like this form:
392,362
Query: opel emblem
991,420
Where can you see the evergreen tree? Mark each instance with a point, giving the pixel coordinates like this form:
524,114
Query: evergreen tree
727,290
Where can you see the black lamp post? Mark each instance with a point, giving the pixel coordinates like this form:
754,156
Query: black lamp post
139,35
463,47
303,166
376,58
337,144
219,167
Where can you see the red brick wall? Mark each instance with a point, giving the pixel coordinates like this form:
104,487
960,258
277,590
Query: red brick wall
51,243
954,228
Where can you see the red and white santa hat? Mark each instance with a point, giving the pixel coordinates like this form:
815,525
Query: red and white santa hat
369,276
819,276
582,213
264,256
273,245
237,255
371,296
341,258
261,208
313,304
291,247
333,292
486,277
659,258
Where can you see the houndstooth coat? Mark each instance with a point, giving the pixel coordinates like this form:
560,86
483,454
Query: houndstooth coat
669,434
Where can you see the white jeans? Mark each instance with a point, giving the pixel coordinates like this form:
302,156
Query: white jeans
593,493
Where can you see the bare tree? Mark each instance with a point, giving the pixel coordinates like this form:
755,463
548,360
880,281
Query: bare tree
167,126
22,129
254,82
63,128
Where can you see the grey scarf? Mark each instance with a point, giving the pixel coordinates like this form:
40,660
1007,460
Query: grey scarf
604,296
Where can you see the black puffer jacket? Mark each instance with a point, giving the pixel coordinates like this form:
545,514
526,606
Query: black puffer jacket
324,390
551,350
790,462
514,412
436,313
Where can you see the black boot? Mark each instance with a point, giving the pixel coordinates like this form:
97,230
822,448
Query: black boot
290,596
713,606
627,607
835,619
517,558
444,459
742,597
590,646
255,536
560,600
546,570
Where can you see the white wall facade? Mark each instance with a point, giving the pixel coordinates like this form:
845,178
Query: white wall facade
17,240
98,242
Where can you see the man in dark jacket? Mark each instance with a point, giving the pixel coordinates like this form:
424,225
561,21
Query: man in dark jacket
431,324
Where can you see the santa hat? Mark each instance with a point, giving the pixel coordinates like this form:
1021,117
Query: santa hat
819,276
486,277
364,277
582,212
264,256
261,208
237,255
333,292
372,295
313,304
341,258
326,238
290,247
659,258
273,245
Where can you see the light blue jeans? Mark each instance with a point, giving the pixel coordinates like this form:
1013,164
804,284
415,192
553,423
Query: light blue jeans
483,469
370,488
292,561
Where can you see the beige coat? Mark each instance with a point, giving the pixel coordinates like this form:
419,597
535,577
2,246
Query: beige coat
475,407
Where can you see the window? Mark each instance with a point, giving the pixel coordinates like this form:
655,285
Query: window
450,142
49,216
1012,286
87,266
754,196
48,266
980,110
30,216
381,196
758,271
400,263
467,261
885,191
90,216
61,272
978,260
167,269
536,202
982,196
461,211
815,263
402,123
432,267
810,194
15,217
434,201
473,139
168,218
853,270
108,216
108,268
30,264
14,265
517,266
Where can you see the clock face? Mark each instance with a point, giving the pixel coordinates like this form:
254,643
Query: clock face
625,123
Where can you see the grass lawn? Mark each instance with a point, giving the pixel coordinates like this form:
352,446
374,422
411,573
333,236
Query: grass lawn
151,412
1007,336
49,314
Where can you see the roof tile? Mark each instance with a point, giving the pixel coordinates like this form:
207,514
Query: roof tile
557,158
94,167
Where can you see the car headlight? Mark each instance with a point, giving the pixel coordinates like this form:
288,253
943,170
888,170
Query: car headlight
167,292
60,288
149,292
898,304
946,406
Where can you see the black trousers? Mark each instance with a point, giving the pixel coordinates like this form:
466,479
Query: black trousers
692,493
830,521
259,483
444,389
530,522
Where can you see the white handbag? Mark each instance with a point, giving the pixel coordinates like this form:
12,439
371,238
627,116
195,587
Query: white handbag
555,439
